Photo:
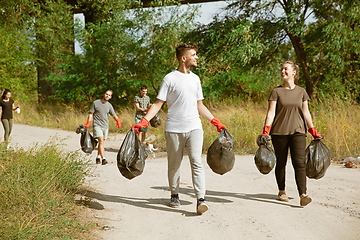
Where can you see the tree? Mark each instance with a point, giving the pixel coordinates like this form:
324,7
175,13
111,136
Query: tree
277,21
53,37
129,49
338,47
17,71
226,48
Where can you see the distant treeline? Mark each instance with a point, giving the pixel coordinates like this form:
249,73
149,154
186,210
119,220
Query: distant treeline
123,47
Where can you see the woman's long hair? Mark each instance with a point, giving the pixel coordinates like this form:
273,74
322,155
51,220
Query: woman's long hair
6,91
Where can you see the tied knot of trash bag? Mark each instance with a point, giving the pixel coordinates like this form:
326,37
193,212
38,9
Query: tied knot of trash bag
155,121
263,140
81,129
226,141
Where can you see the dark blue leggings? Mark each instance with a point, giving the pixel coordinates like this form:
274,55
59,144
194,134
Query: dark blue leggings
297,145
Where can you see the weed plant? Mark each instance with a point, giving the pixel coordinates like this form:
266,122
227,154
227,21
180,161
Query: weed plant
37,189
336,119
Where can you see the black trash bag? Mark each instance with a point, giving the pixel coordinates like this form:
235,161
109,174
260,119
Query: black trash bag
131,156
220,155
317,159
265,158
87,141
155,121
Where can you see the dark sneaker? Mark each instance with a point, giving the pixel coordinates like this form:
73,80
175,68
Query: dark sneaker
98,161
201,206
104,161
174,201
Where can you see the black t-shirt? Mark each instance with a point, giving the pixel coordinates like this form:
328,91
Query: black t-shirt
7,112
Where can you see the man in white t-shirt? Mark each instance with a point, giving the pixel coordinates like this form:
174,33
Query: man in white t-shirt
183,130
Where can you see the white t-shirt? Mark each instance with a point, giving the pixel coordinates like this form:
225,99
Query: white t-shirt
182,92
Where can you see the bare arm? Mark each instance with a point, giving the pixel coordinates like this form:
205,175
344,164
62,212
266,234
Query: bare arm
14,108
270,113
90,117
115,117
307,115
154,109
204,111
138,108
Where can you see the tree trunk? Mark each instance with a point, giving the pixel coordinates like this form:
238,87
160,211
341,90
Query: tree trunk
304,64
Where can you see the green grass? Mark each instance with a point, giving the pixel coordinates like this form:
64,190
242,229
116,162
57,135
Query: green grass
37,190
337,120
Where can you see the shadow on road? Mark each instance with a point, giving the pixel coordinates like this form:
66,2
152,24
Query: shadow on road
161,204
214,196
111,149
150,203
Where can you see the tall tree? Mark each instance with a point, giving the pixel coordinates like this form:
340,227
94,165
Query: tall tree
17,71
279,20
53,29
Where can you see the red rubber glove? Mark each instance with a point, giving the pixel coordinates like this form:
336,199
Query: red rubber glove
142,124
266,130
87,124
313,132
216,122
118,123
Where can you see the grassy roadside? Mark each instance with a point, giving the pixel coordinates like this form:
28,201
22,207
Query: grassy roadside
38,186
335,119
37,190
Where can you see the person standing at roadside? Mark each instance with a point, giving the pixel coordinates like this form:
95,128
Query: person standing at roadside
7,106
288,112
183,129
99,111
142,103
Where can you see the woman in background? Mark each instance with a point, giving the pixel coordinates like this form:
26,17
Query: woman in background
289,115
6,108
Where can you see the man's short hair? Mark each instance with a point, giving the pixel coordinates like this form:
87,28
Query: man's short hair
108,90
183,47
143,87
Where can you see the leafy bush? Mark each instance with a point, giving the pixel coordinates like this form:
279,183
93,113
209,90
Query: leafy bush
235,84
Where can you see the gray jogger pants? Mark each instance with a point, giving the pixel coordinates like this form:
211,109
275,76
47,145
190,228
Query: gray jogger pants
175,144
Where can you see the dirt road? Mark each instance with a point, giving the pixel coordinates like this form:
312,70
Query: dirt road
243,203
